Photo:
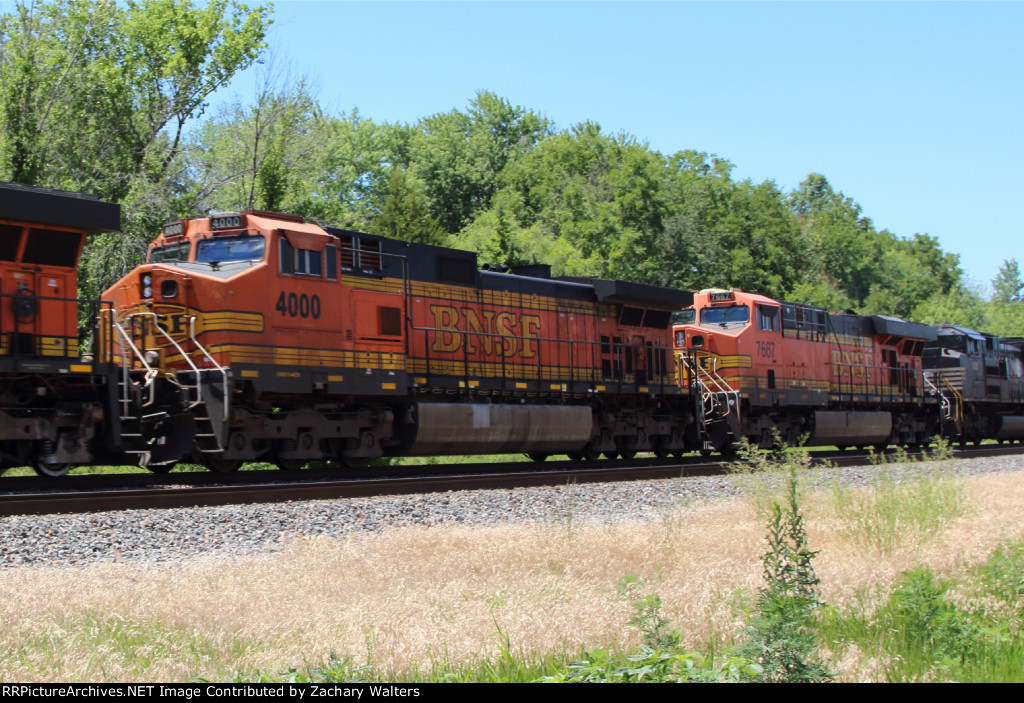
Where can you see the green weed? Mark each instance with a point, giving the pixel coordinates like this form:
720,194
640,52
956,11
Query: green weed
898,510
923,633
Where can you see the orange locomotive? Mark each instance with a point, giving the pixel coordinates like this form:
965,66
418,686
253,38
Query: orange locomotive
288,342
56,409
761,367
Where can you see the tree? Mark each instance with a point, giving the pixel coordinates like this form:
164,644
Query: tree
458,156
257,156
842,242
1005,315
1007,285
961,305
404,213
598,195
96,97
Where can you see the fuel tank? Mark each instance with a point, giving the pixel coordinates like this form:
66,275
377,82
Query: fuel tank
847,427
488,428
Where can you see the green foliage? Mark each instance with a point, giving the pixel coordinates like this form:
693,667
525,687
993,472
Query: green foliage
657,630
96,97
921,633
898,510
1006,310
459,156
781,637
404,213
960,305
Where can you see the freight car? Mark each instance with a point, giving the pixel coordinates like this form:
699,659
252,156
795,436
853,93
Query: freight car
59,406
289,342
761,369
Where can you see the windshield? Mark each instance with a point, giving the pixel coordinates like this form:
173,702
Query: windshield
172,252
224,249
684,317
724,315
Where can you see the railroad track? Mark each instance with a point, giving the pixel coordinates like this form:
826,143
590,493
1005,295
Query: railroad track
79,494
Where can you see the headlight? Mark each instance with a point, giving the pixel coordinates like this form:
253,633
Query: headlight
168,288
147,285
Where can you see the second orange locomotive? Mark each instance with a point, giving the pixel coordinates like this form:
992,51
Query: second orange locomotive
289,342
766,370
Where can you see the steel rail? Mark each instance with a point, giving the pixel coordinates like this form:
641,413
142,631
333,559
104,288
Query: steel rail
273,487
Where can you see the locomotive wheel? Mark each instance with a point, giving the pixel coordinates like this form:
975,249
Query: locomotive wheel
537,456
659,449
575,456
50,470
627,447
162,468
610,455
290,464
221,466
590,453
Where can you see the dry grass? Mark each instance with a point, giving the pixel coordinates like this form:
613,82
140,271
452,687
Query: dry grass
410,596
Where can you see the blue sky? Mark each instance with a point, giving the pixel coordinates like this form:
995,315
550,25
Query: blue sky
912,109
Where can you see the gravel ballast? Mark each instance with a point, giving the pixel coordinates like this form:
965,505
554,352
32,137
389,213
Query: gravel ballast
241,530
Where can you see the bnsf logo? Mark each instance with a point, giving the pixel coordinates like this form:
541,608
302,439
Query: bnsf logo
846,361
176,324
494,333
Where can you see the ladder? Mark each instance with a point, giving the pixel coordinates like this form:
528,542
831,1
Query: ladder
718,400
147,420
951,401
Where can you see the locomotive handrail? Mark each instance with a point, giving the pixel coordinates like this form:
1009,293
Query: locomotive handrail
209,357
714,381
156,325
150,374
192,336
581,373
947,405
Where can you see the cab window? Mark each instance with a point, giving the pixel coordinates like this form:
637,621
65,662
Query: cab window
224,249
767,318
171,252
684,317
51,247
725,315
300,262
